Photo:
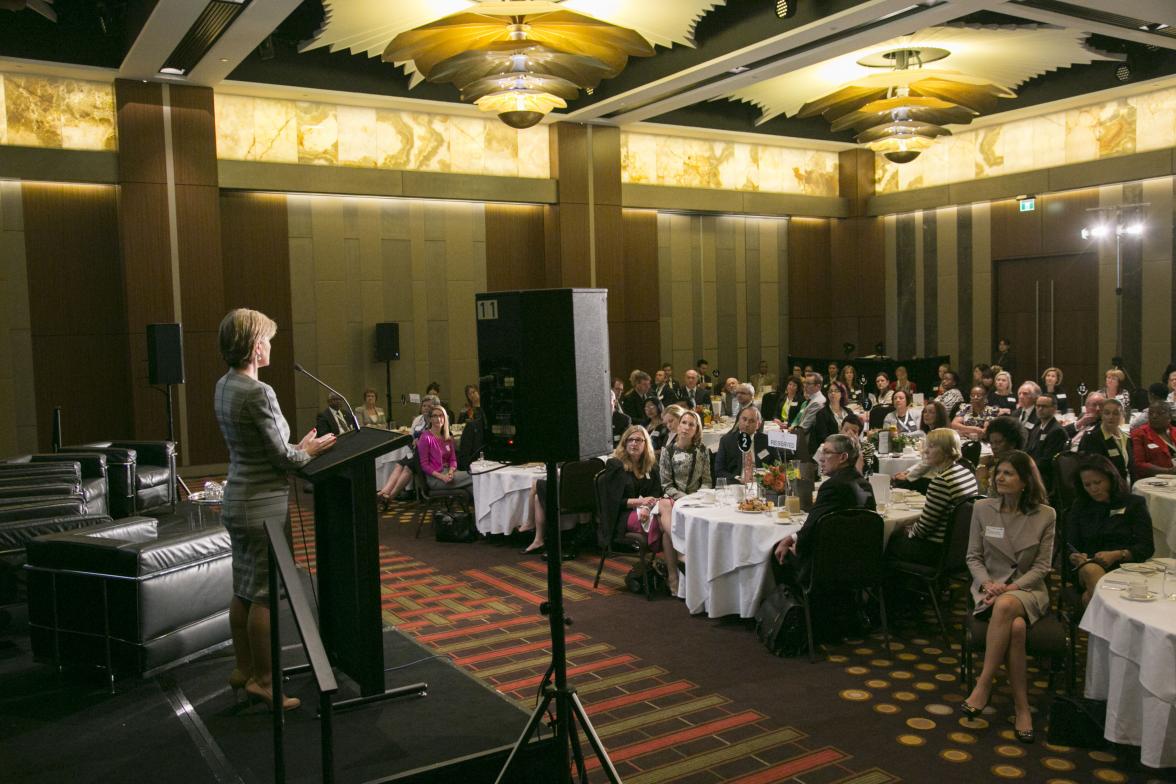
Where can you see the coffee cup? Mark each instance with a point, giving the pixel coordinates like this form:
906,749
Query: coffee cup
1137,589
707,496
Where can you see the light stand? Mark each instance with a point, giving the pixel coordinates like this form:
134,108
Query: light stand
388,390
171,435
567,703
1114,223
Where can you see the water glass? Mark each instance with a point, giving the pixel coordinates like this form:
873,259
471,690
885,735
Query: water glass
1170,583
721,493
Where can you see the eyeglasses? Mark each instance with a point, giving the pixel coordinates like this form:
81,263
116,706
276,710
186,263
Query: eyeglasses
637,440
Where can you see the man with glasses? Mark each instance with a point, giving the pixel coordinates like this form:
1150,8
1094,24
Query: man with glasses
1045,439
843,489
1026,412
732,462
806,418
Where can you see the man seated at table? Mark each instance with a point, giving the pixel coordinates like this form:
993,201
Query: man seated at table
731,462
334,419
702,367
806,418
730,387
763,378
620,421
744,397
670,390
1045,440
843,489
633,403
1026,410
1091,418
692,394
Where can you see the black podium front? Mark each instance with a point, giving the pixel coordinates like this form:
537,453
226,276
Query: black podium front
347,553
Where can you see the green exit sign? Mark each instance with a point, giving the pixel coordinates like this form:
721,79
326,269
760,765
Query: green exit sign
1027,205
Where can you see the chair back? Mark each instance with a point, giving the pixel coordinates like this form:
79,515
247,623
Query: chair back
1065,467
847,550
577,487
770,407
878,414
971,451
606,519
955,541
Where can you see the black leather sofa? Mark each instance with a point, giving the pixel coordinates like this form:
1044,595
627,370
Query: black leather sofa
130,596
142,474
88,468
23,519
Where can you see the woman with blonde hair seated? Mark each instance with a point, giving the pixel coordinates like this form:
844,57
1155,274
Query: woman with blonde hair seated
1002,395
684,468
630,489
1113,390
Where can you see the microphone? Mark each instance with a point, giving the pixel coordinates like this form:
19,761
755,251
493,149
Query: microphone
329,388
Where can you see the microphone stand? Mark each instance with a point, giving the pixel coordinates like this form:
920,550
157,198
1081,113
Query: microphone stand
329,388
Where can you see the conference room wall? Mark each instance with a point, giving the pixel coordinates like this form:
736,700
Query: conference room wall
16,338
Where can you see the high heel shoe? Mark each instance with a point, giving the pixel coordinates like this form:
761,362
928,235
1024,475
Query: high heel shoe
257,692
237,681
970,711
532,549
1025,736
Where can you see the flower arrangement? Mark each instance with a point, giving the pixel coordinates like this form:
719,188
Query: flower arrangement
775,477
898,441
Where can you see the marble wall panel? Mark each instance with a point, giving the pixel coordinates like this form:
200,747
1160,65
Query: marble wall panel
357,136
43,111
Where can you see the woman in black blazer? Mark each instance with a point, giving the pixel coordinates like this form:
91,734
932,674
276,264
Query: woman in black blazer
1107,526
1051,384
1109,440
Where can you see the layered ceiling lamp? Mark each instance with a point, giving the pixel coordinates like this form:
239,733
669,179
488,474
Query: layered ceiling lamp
518,59
899,113
42,7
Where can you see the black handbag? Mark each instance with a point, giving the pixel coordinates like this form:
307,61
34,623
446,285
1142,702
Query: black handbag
655,573
454,527
1078,722
779,623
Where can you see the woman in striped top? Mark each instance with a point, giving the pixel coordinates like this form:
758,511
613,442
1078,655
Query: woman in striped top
951,482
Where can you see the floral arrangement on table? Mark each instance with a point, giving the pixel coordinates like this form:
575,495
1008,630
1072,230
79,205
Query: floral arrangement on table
776,476
898,441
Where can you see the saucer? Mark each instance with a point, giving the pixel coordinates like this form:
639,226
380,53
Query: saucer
1150,597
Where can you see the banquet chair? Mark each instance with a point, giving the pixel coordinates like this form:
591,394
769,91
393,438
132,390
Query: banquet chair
577,488
1065,467
971,452
1048,639
429,499
633,543
878,414
848,553
952,563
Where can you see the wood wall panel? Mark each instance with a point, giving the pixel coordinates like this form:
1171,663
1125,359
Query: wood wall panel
515,247
1015,234
140,129
1063,216
857,282
606,165
639,315
810,290
76,311
146,254
193,125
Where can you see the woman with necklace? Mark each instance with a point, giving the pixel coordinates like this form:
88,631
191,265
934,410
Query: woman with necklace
371,415
1109,440
903,417
684,468
1009,554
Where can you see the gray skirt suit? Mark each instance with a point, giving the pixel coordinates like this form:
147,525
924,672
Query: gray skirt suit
256,491
1016,548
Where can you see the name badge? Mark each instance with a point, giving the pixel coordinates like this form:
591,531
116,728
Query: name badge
762,454
1113,452
1153,446
1060,396
1119,511
1028,425
993,532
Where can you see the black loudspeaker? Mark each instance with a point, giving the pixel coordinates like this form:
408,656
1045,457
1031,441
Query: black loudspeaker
387,341
543,367
165,354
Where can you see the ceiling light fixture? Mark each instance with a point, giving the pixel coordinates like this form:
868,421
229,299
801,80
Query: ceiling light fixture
786,8
900,112
518,59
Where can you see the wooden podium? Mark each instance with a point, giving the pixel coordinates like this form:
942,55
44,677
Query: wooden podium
347,554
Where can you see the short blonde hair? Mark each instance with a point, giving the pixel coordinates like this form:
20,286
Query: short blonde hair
947,440
642,467
1049,370
1116,374
240,330
1008,377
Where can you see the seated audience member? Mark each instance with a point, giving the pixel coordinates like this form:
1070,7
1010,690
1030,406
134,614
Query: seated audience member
620,421
1107,526
684,468
434,389
806,418
473,406
855,395
618,387
988,378
832,414
1113,388
933,417
882,395
1051,384
692,395
951,397
421,422
1026,410
843,489
1091,418
1156,393
730,387
1002,395
1169,381
632,488
671,417
744,397
371,415
952,481
763,379
654,424
1004,435
438,454
788,403
938,389
401,476
702,367
1010,550
832,372
917,477
668,390
334,419
1154,445
633,403
867,462
1109,440
1046,440
731,462
903,417
1004,356
978,372
903,382
972,420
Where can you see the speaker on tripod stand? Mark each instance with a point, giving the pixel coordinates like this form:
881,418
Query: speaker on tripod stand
165,367
544,382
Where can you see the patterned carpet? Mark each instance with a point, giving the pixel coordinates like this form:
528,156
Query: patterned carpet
863,715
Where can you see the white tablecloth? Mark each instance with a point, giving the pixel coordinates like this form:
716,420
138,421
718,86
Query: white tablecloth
896,464
1160,493
1131,663
712,435
500,496
728,554
386,461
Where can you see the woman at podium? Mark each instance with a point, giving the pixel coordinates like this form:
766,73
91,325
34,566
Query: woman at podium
260,454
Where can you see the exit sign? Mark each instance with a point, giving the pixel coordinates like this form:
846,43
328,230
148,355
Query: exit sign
1027,205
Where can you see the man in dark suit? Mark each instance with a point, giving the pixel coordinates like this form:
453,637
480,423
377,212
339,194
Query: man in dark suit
692,394
1046,439
731,460
844,489
1026,410
633,403
334,418
620,422
669,390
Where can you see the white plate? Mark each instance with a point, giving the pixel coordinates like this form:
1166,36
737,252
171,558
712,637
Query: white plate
1138,568
753,511
1151,597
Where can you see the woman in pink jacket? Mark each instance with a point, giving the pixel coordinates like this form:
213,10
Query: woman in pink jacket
438,454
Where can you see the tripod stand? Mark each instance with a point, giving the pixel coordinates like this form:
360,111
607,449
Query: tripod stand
171,436
568,708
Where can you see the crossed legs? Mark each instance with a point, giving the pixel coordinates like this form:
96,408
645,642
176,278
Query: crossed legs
1005,643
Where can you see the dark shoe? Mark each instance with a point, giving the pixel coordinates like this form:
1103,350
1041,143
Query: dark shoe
1025,736
532,550
969,711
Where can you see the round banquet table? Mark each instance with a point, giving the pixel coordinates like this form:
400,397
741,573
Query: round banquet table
729,553
500,496
1131,663
1160,493
895,464
386,461
712,435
